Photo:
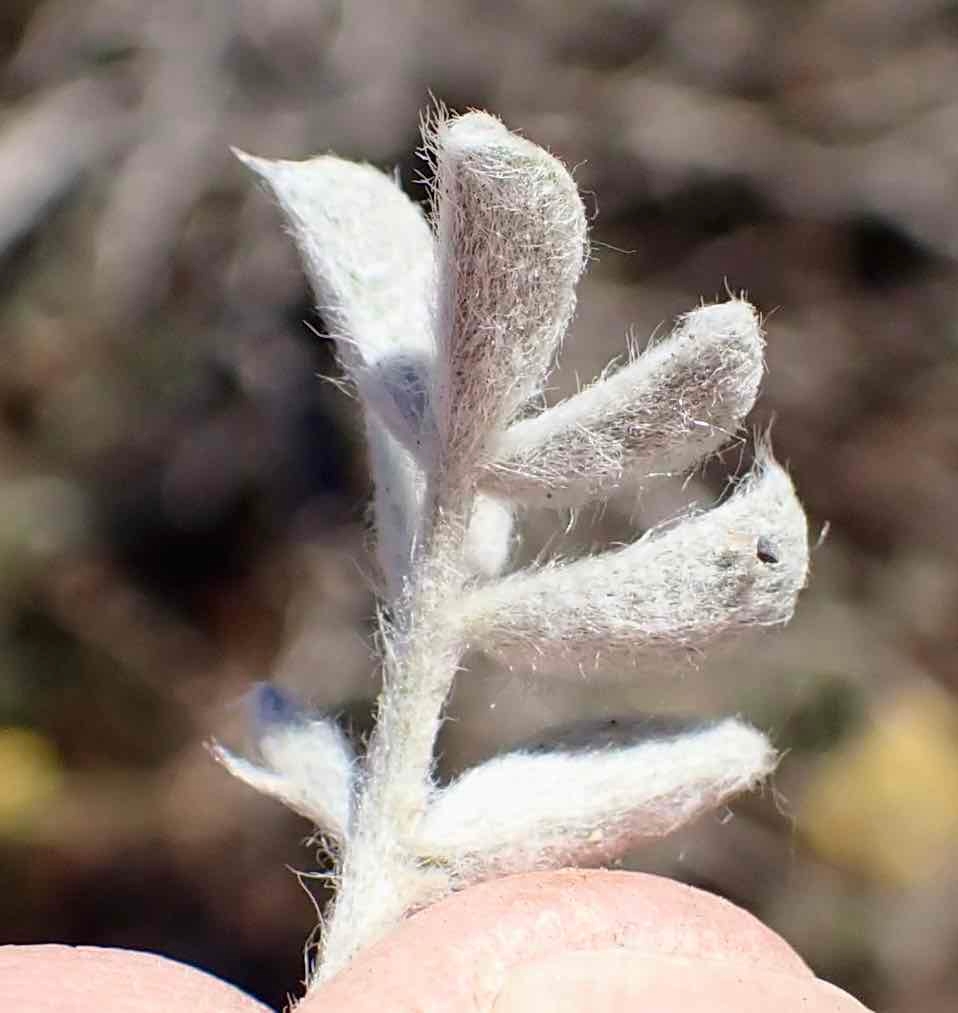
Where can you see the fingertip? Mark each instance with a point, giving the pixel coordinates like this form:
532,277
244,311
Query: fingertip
88,979
459,953
620,981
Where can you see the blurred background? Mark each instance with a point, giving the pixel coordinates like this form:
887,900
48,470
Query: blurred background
182,497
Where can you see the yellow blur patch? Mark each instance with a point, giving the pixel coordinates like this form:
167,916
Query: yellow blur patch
886,803
29,777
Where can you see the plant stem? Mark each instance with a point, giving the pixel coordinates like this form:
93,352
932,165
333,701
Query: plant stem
381,879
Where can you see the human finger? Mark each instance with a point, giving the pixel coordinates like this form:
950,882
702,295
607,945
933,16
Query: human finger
622,981
88,979
582,938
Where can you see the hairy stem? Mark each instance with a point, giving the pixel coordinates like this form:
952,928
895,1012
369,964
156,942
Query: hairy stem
381,879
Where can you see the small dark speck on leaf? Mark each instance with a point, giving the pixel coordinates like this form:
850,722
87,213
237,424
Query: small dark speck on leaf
765,551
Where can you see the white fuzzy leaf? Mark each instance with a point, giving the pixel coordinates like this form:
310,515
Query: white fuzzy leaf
489,537
524,811
397,505
369,255
680,400
739,565
399,389
511,247
308,763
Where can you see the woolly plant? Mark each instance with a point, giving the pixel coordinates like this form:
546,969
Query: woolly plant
447,330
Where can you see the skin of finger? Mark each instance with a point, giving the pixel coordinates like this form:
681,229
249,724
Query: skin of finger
87,979
618,981
459,954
